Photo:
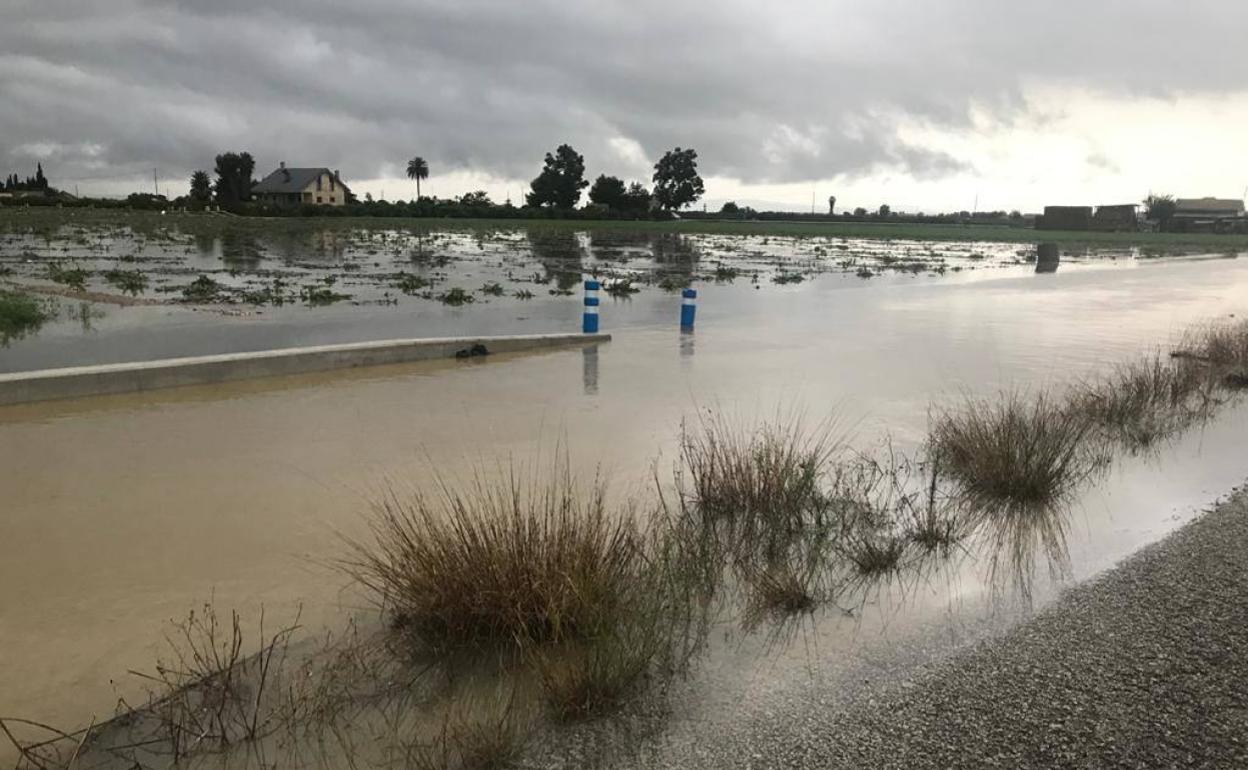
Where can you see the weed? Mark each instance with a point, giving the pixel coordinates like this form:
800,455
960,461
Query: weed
1221,344
20,314
877,556
317,296
132,282
203,289
493,289
502,560
1016,461
409,283
1145,401
73,277
771,471
621,288
455,297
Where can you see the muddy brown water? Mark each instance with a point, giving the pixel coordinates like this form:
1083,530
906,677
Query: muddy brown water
121,513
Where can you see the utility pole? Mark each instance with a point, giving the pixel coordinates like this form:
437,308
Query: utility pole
155,182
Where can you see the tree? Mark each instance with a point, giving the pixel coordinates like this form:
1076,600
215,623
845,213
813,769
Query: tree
831,205
860,212
676,180
608,191
730,208
417,169
885,211
234,180
1160,208
476,199
41,182
561,180
637,200
201,187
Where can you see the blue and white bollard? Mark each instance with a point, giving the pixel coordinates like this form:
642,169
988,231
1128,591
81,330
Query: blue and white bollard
688,307
589,320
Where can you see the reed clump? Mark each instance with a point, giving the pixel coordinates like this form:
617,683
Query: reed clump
770,472
518,559
1145,401
1015,452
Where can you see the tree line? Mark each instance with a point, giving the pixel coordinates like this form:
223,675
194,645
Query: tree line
36,183
557,189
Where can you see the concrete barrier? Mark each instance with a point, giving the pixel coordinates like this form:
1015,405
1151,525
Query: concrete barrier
80,381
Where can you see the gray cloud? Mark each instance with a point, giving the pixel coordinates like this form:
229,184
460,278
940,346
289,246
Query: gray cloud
766,92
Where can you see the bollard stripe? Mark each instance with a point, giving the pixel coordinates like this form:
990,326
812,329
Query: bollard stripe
689,293
592,286
688,302
591,302
591,310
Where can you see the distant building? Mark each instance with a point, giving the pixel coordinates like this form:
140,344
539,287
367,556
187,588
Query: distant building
1065,218
296,186
1208,208
1120,217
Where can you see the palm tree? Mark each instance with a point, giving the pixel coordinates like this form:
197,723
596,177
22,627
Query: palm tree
417,169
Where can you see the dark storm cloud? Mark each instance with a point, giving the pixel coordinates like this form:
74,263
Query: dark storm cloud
106,89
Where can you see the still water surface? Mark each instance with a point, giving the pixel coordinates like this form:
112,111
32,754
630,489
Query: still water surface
121,513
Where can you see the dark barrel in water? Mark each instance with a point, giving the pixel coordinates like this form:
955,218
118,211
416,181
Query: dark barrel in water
1047,257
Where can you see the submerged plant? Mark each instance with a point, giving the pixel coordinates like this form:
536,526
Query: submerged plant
20,314
771,471
502,560
1016,462
455,297
1145,401
132,282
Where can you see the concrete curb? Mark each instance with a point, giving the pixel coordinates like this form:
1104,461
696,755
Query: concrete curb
81,381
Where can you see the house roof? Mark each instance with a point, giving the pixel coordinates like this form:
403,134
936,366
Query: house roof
292,180
1222,205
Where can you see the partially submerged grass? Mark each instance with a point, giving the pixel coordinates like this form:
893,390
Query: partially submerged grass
1017,462
133,282
1222,344
1015,452
1147,400
770,472
507,561
20,314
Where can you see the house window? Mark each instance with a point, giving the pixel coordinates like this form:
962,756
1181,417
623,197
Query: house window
318,199
318,184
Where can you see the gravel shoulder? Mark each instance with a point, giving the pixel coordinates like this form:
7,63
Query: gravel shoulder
1143,667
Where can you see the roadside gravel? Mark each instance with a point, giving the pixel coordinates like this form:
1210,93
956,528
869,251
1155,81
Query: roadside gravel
1143,667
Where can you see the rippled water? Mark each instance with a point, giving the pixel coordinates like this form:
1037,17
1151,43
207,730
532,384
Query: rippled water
122,512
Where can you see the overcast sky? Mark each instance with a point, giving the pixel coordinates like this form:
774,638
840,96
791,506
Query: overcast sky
920,104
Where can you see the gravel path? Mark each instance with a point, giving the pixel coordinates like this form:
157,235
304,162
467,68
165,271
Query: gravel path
1144,667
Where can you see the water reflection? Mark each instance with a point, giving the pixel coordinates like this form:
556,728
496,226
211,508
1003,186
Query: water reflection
559,252
589,369
687,346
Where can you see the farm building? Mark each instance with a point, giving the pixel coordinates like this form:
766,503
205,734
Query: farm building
1208,208
1116,218
295,186
1065,218
1208,215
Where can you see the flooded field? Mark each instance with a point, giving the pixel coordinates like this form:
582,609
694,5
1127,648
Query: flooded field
137,286
123,513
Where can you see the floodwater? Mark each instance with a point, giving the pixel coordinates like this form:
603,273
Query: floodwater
203,286
121,513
